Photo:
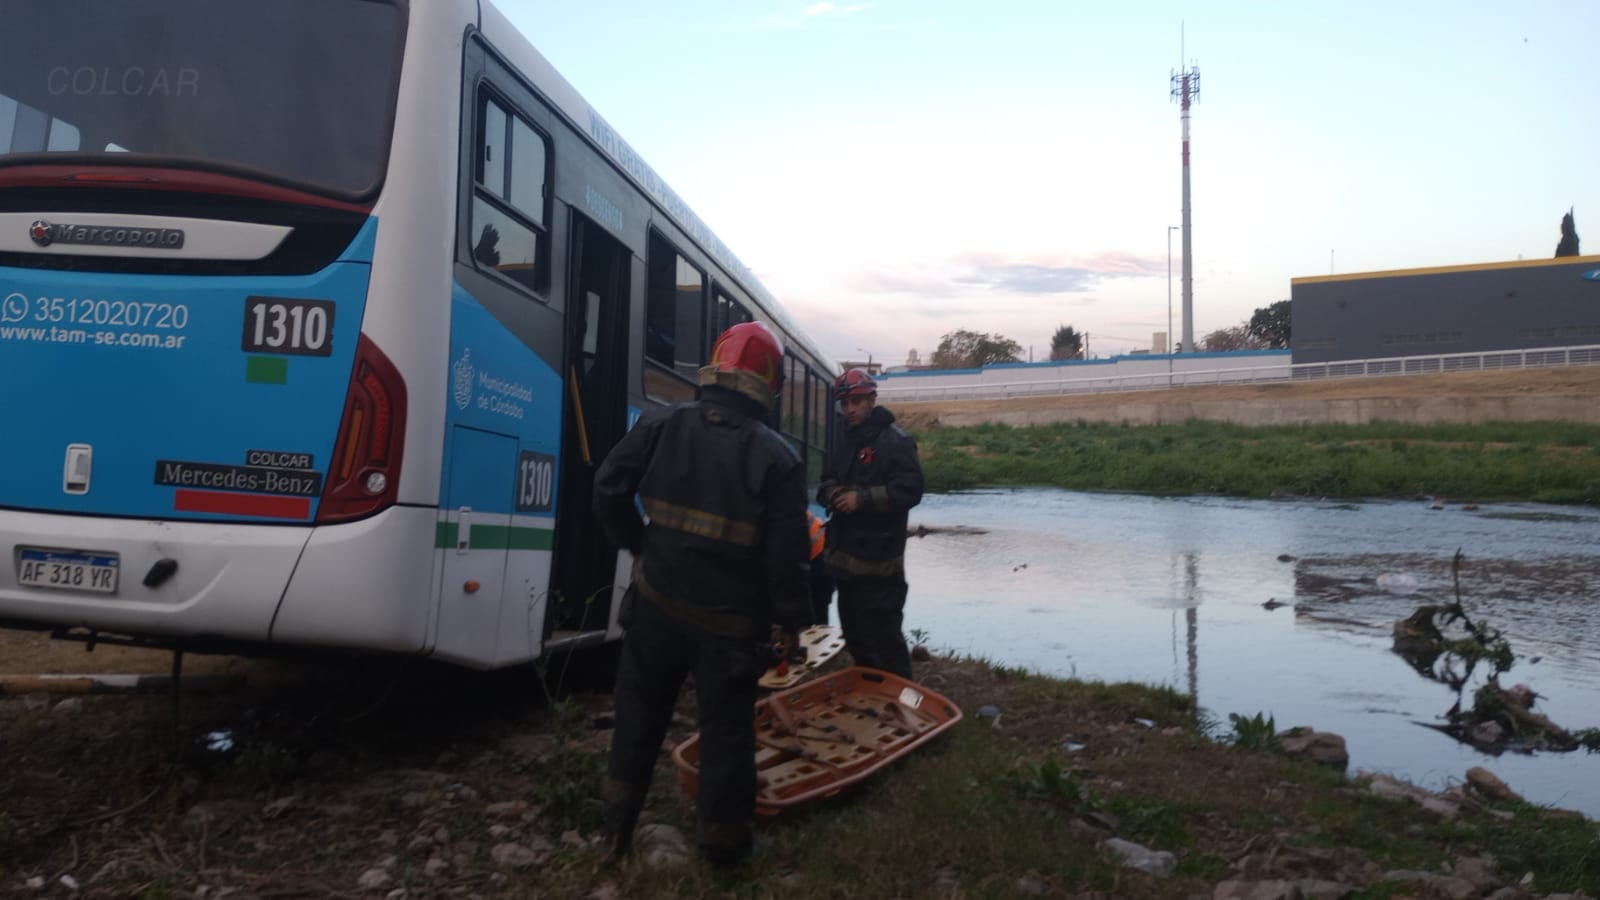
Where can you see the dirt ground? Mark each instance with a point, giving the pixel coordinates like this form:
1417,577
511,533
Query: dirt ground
1564,382
368,779
34,653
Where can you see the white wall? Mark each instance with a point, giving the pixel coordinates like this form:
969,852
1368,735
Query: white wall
1118,373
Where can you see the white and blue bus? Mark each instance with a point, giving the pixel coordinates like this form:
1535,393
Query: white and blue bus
316,318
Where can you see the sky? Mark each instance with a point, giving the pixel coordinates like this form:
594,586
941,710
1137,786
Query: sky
895,170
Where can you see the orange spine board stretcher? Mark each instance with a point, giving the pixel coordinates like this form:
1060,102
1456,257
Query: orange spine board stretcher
815,740
819,643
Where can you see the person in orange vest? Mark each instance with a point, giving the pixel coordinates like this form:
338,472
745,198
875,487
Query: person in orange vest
821,584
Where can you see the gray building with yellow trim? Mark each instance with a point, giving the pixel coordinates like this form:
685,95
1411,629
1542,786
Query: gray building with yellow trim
1450,309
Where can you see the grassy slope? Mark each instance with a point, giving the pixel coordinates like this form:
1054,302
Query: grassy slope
967,816
992,804
1546,462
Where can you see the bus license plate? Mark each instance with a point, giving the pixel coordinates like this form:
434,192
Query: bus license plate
68,570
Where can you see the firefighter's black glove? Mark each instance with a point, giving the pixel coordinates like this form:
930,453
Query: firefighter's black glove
785,641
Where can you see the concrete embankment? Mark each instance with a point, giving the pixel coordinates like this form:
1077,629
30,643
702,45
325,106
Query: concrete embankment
1411,411
1549,395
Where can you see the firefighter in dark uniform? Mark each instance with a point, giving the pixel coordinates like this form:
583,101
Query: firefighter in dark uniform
870,481
720,574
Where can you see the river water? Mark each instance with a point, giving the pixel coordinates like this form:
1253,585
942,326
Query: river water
1117,587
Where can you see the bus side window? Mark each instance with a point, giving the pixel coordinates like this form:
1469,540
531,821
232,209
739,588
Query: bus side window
794,403
511,167
674,344
724,313
817,424
24,129
719,314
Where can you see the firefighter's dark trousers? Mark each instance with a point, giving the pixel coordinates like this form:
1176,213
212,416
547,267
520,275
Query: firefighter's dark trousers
657,654
871,612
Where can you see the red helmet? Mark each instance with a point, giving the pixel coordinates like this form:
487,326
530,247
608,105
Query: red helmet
747,358
854,383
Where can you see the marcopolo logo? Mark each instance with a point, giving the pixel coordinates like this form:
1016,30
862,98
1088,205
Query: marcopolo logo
1592,275
46,233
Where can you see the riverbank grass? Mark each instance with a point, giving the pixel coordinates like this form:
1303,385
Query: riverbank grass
1021,804
1540,462
465,786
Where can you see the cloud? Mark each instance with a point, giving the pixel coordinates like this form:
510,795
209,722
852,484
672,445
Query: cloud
1054,274
797,18
825,8
1038,274
888,305
1032,279
1119,263
916,283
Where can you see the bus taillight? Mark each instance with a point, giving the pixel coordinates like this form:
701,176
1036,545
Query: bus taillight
364,475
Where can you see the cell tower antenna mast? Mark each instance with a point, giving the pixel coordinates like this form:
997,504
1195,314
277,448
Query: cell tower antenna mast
1186,90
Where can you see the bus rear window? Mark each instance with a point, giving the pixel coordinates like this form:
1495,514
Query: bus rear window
297,91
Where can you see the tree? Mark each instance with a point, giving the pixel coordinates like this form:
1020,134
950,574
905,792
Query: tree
1569,236
970,350
1225,339
1270,326
1066,344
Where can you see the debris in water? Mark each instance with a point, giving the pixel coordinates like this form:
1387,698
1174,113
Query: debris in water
1496,718
922,530
1398,583
1309,613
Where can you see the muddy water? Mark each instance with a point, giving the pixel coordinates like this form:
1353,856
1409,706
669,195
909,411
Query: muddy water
1171,591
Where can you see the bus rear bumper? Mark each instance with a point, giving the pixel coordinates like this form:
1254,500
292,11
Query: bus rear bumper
366,584
228,580
357,585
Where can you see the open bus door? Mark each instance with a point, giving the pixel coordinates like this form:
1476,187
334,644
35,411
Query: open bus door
594,419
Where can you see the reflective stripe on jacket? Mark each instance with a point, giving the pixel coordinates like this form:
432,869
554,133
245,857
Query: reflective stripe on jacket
725,546
879,462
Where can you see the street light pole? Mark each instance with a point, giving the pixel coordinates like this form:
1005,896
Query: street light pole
1170,230
869,358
